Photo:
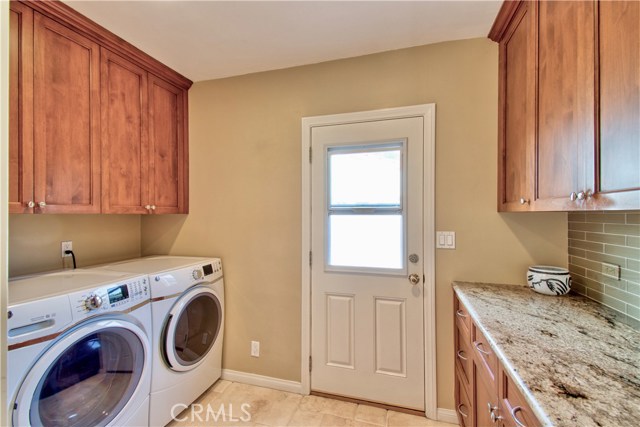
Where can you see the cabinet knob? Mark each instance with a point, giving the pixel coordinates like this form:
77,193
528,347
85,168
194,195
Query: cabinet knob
147,207
153,207
524,201
42,205
31,204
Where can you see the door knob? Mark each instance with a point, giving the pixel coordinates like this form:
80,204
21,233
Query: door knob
414,279
414,258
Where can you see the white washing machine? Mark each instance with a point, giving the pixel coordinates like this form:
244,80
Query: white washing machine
79,349
187,305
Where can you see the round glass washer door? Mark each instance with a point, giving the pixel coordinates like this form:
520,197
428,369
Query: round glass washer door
86,378
191,329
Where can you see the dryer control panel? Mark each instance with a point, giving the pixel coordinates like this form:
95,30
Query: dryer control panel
116,297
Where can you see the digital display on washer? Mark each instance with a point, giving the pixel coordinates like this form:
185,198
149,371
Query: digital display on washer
208,269
118,293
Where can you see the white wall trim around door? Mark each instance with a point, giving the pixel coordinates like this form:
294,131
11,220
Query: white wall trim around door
427,112
262,381
447,416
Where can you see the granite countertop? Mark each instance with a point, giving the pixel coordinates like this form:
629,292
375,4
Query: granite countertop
575,361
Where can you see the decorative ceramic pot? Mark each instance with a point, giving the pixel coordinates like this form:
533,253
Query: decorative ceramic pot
549,280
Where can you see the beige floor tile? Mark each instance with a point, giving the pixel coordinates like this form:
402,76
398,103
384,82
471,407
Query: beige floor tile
265,406
329,406
329,420
371,414
400,419
302,418
220,386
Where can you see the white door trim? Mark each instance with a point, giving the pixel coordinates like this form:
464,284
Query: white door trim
428,113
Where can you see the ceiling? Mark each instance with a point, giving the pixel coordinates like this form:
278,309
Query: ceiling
213,39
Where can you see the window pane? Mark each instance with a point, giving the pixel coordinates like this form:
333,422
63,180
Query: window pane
365,178
373,241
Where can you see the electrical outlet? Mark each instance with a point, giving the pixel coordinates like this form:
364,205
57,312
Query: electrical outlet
611,270
65,246
255,348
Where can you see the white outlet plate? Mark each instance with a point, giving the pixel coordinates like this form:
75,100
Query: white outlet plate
611,270
66,246
255,348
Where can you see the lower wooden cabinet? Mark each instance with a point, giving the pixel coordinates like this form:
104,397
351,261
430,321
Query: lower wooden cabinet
486,396
514,409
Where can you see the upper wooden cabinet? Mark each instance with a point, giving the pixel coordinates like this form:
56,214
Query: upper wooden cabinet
66,119
125,141
20,109
569,113
168,150
89,130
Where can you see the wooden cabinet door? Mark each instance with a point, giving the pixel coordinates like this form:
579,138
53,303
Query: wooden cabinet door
167,137
66,125
516,138
485,401
20,110
566,103
619,76
125,145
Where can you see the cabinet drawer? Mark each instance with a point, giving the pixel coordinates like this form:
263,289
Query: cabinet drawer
485,357
463,320
515,411
464,356
464,405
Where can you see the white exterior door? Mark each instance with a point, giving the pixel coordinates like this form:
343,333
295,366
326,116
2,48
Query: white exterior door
367,307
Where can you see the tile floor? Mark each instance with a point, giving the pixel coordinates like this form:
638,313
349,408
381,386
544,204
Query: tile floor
222,404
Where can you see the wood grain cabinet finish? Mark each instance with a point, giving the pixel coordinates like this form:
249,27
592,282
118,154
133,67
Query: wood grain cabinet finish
485,394
125,142
20,109
66,119
569,105
90,131
167,136
516,137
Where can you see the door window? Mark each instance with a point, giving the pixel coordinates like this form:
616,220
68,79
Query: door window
365,207
196,330
90,382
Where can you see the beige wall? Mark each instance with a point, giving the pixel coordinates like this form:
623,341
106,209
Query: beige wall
245,189
34,240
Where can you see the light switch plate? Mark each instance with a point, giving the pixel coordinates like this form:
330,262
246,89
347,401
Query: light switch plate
445,239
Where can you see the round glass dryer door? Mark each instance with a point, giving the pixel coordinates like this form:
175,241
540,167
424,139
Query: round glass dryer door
192,328
86,378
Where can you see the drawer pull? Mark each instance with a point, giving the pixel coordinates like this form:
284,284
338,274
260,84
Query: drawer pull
460,313
515,418
478,345
460,406
461,355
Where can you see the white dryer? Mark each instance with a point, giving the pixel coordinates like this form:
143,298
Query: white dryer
79,349
187,295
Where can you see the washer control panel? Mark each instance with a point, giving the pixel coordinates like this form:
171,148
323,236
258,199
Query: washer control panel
118,296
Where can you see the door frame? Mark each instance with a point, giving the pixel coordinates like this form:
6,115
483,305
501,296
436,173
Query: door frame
428,114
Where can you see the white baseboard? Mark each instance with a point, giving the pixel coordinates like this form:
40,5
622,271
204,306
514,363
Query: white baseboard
262,381
447,416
